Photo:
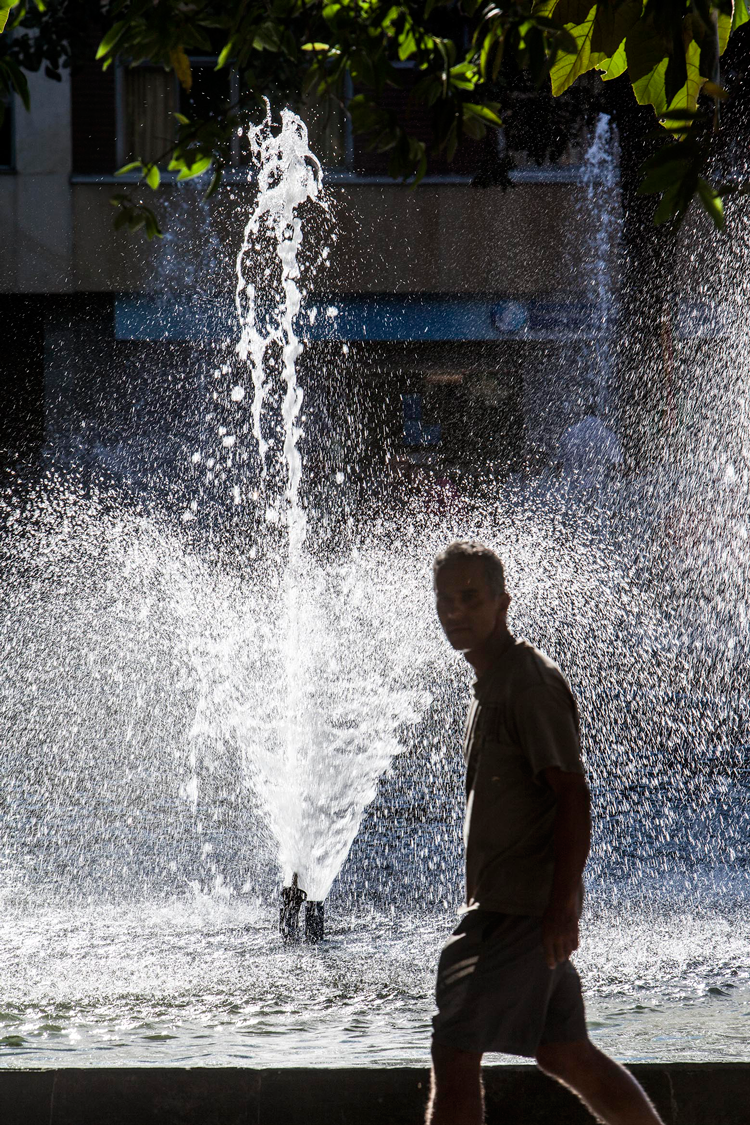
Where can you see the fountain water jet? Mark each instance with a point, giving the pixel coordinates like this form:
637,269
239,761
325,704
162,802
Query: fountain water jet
600,210
268,300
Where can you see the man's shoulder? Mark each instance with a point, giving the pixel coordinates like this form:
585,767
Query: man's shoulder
530,667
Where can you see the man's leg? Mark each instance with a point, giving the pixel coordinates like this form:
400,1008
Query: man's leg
610,1092
456,1094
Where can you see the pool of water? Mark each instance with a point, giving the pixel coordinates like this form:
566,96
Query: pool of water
205,981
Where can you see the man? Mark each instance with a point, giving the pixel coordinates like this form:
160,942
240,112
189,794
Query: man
504,979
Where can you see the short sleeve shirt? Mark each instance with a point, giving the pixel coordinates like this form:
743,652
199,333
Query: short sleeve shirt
522,721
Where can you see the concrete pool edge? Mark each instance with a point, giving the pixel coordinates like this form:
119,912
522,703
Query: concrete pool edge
684,1093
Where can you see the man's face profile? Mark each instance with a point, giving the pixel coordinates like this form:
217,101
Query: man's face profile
467,607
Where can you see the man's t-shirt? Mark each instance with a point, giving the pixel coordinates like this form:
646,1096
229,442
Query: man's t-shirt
523,720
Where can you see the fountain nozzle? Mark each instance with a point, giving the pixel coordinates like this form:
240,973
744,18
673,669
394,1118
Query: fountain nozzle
291,900
314,922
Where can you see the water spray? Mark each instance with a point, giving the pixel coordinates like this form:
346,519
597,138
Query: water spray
317,744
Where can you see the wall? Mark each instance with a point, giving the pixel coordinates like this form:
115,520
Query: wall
684,1094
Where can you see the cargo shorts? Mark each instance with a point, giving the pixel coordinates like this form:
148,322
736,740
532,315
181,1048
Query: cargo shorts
495,991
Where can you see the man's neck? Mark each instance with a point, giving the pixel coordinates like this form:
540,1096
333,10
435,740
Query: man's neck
484,657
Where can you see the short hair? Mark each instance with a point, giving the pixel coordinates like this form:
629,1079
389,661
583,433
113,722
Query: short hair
471,549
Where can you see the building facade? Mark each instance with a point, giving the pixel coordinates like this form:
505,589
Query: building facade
467,318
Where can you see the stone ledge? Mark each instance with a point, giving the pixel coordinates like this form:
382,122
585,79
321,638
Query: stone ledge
685,1094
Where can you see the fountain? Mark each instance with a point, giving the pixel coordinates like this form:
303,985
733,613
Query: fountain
600,178
196,723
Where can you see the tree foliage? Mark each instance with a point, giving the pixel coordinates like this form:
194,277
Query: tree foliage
459,60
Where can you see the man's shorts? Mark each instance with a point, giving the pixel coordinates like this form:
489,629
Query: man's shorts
495,991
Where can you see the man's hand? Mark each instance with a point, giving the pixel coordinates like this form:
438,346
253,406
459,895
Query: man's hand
560,932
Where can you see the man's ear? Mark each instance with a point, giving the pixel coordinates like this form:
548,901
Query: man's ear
504,604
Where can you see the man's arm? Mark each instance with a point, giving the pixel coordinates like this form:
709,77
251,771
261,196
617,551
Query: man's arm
572,840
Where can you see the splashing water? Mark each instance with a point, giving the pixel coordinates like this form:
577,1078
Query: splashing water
137,658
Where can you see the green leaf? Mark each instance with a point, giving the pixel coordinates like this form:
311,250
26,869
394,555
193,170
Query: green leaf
712,203
183,120
741,14
267,37
18,80
464,76
648,58
4,13
616,65
488,47
112,38
153,229
661,179
543,9
129,167
676,114
197,169
725,20
473,127
213,185
671,153
598,29
703,28
485,112
153,178
569,66
687,96
226,54
181,66
428,90
668,206
572,12
407,45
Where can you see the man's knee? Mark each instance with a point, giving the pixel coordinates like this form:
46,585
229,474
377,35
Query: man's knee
451,1065
565,1061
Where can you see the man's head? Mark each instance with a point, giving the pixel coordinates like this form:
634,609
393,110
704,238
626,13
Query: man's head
472,602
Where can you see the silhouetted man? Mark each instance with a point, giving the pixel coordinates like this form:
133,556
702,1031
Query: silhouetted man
505,982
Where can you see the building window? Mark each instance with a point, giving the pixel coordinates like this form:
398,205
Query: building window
93,117
149,98
149,102
416,118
